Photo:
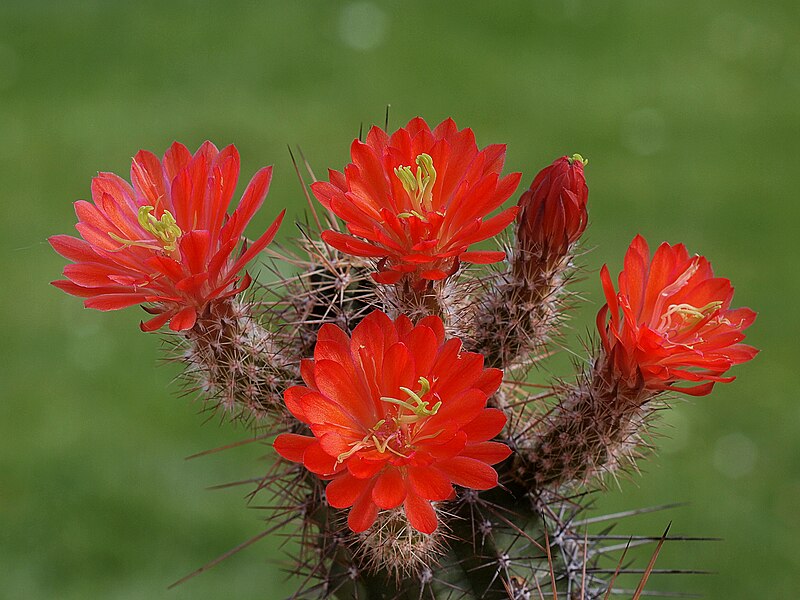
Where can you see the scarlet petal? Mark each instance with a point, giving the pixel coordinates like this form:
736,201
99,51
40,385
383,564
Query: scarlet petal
291,446
469,473
184,320
490,453
318,461
345,489
363,513
114,301
483,257
486,425
430,484
389,490
420,514
156,322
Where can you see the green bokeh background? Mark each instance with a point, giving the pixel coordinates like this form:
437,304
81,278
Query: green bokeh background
688,112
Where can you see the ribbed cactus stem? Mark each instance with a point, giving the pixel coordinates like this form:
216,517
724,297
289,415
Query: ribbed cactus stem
521,310
235,363
595,430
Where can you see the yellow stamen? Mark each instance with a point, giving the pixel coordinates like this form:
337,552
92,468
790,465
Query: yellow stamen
690,314
419,187
364,443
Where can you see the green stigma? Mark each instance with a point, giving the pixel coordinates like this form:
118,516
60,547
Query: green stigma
415,404
419,186
578,157
165,229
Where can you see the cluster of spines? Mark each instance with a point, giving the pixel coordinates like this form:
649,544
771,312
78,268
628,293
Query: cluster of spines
234,363
522,308
597,428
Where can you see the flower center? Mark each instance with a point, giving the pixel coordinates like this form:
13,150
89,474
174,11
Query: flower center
395,437
687,316
419,186
165,230
579,158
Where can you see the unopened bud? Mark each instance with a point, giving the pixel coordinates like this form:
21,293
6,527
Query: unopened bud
553,213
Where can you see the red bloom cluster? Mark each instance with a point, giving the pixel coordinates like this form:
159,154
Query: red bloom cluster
168,240
676,323
398,415
417,200
553,211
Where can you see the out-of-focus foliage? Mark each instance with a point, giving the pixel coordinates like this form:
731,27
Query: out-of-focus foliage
688,112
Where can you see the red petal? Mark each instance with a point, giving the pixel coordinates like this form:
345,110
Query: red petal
390,489
156,322
469,473
485,426
490,453
345,489
363,513
482,257
184,320
291,446
318,461
429,483
259,244
420,514
114,301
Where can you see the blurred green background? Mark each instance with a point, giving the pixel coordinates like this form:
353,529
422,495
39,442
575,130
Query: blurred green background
688,112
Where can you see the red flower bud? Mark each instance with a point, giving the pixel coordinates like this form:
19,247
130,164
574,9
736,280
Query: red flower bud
553,213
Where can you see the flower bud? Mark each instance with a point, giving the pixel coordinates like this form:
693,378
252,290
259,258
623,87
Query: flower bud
553,213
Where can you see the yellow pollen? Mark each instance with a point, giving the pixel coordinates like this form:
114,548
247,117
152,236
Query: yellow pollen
690,314
165,230
419,186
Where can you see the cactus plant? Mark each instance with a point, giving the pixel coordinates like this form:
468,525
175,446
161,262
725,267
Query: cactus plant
391,366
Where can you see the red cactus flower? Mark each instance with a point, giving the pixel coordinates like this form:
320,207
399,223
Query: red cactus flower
398,415
418,199
676,325
168,241
553,213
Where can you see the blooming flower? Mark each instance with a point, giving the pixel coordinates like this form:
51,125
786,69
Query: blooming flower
418,199
168,240
398,414
676,323
553,213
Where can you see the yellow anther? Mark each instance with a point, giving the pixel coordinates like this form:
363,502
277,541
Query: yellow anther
419,187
